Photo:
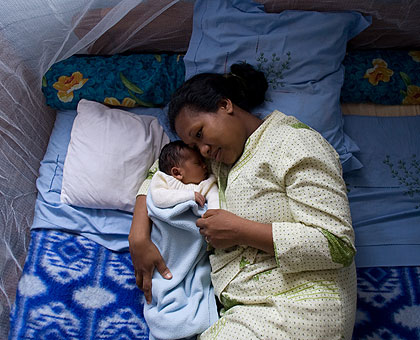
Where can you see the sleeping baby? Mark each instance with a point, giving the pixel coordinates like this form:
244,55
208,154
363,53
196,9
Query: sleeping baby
183,176
184,306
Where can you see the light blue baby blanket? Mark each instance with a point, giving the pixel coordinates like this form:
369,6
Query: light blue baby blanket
185,305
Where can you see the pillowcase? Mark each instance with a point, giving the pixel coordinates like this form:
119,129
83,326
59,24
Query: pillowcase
387,77
300,52
109,155
120,80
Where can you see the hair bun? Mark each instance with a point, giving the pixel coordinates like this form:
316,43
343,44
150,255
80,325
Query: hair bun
253,84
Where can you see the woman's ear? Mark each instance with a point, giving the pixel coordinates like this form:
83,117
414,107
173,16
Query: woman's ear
177,173
226,105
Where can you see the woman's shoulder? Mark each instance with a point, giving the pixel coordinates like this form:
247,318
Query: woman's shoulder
282,127
279,119
302,139
287,133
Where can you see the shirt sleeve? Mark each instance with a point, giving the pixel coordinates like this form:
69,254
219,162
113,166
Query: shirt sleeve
144,186
320,235
213,197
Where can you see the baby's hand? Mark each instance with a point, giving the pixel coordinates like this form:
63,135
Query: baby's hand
200,199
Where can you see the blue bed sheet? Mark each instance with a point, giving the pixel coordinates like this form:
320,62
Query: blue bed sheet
385,194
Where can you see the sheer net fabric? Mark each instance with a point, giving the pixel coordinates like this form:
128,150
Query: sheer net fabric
35,34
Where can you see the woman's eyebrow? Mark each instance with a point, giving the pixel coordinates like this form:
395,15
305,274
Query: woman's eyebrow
192,133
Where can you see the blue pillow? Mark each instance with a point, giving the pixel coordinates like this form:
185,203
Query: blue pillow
300,52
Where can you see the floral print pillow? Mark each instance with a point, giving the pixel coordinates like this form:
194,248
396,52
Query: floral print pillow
119,80
388,77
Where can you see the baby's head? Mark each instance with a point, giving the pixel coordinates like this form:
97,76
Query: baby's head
177,159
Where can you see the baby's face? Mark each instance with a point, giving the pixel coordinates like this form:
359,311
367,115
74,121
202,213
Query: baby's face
195,170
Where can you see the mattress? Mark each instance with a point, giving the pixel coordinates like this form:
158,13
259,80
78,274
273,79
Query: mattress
75,285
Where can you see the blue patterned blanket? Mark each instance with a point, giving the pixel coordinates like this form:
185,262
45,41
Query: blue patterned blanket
388,303
72,288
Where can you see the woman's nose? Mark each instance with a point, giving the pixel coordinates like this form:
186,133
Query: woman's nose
205,150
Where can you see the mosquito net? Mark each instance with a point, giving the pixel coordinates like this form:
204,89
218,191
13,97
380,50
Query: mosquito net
37,33
34,35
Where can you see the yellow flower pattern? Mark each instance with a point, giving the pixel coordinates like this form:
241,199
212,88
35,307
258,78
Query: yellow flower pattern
66,85
127,102
380,72
415,55
413,95
112,101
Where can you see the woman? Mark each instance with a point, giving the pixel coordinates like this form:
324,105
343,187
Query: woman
284,245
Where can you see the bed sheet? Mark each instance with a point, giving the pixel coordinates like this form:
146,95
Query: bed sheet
385,194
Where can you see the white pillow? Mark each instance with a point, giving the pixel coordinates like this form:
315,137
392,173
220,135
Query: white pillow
109,155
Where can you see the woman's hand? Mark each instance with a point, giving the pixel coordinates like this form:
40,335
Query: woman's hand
144,254
220,228
223,229
146,257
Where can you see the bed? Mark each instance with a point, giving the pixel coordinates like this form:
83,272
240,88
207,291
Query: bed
78,282
75,288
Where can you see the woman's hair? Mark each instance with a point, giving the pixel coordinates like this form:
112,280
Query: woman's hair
171,155
244,86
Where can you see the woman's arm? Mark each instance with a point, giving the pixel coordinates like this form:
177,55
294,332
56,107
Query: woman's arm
320,236
144,254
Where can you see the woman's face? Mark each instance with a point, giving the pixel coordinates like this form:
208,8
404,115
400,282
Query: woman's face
220,136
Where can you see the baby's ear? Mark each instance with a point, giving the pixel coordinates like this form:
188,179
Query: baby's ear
177,173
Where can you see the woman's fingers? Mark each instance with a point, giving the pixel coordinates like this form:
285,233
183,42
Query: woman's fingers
210,212
147,287
145,281
163,270
146,259
139,279
220,228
